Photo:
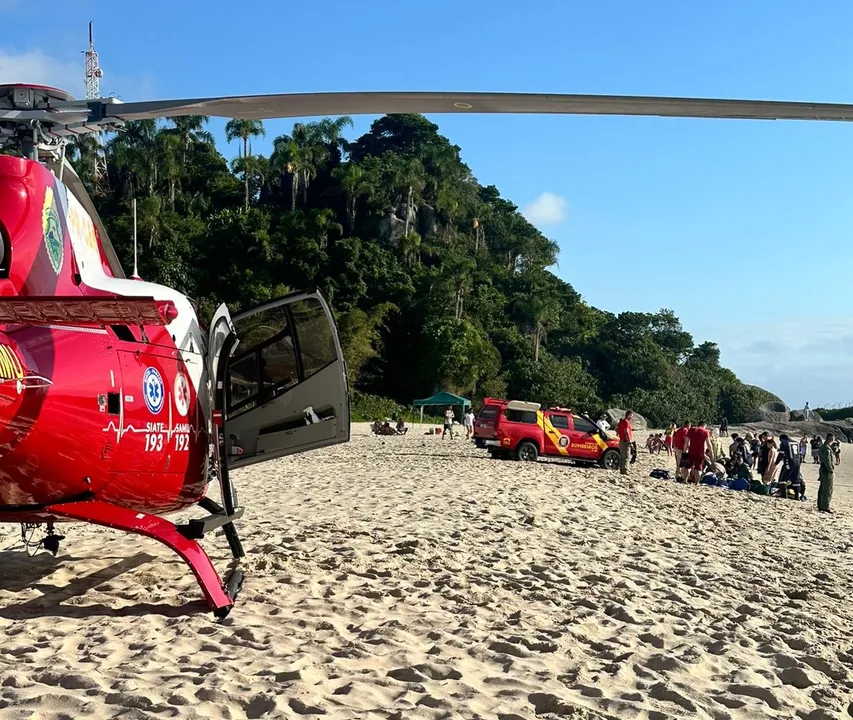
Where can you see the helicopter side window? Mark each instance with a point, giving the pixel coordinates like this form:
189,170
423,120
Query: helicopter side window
279,348
243,379
314,334
267,368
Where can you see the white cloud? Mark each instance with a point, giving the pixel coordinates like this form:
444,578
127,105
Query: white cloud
39,68
547,209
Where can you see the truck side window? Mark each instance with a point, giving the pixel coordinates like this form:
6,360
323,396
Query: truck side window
521,416
583,426
561,422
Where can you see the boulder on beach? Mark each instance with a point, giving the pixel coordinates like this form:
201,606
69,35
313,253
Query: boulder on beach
774,411
614,415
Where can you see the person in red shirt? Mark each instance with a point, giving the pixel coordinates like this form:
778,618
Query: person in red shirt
679,439
626,437
698,442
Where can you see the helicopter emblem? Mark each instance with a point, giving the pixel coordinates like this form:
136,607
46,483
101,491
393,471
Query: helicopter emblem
152,390
52,231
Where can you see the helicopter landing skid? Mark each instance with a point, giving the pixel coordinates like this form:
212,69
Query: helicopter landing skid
220,597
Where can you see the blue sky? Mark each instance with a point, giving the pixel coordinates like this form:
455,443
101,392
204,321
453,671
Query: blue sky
742,227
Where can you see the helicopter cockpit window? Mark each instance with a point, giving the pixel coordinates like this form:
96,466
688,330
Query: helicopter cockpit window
279,348
314,333
244,379
265,364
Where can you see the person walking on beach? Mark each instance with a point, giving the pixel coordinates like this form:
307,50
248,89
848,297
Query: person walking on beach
826,474
448,423
698,444
667,438
626,438
679,438
468,422
724,427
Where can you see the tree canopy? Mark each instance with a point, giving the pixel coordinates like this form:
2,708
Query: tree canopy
436,281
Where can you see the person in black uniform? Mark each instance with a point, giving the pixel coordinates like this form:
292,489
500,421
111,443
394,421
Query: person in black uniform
789,476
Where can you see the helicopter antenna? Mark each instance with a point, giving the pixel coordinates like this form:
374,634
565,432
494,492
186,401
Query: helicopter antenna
135,275
93,92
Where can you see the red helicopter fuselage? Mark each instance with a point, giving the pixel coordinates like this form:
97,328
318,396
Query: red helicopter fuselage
116,409
112,412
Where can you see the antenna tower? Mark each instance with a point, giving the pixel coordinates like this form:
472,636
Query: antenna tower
93,92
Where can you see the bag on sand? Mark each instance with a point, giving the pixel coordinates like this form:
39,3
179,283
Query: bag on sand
660,474
739,484
759,488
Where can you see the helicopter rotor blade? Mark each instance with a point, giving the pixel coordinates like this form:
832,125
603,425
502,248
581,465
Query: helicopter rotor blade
264,107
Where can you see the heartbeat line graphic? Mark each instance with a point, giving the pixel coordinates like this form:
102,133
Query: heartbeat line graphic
121,429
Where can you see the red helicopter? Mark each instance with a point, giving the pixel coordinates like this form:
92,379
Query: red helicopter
115,407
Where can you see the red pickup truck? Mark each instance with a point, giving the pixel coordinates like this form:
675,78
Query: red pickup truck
524,431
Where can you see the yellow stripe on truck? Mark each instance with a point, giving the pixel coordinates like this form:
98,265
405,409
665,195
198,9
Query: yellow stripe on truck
599,441
553,435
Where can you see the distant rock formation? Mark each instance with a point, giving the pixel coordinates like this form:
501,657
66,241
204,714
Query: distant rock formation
842,429
391,228
423,219
774,411
614,415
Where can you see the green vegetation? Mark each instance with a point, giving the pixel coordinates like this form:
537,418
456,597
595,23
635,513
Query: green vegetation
833,414
435,280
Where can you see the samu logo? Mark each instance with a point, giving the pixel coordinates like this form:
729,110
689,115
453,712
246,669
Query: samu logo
152,390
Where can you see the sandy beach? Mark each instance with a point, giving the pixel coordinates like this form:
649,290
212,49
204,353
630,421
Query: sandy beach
410,577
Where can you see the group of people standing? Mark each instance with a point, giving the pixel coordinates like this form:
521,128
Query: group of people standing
698,450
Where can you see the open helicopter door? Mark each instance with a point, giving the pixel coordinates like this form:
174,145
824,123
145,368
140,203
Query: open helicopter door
279,380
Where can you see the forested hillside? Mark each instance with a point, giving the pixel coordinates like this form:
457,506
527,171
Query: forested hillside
435,280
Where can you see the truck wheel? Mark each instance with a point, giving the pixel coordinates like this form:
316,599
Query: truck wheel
527,451
610,459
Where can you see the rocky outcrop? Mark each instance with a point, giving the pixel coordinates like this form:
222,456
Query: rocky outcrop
614,415
391,228
428,225
774,412
423,219
842,429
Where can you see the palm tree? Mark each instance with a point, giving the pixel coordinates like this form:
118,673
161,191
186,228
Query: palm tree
352,178
243,130
305,151
410,246
83,154
168,148
539,309
134,153
189,129
408,178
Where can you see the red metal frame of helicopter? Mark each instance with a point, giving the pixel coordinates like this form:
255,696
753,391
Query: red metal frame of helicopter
115,408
